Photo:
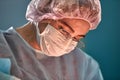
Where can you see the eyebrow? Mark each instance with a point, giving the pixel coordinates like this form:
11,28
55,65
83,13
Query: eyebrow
82,35
67,25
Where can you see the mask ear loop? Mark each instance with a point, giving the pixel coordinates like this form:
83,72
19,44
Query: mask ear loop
37,32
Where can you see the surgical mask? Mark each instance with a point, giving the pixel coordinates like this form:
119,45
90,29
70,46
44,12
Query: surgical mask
54,43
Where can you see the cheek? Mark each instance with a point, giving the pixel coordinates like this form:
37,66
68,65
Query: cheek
53,24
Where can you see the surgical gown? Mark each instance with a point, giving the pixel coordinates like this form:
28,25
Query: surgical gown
26,63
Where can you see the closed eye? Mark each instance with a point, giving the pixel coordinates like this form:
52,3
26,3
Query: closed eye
63,31
66,26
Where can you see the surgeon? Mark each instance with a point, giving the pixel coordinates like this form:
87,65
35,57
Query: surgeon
45,47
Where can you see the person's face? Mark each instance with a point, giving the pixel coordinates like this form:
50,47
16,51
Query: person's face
74,28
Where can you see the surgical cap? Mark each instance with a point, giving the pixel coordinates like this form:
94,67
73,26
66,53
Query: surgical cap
88,10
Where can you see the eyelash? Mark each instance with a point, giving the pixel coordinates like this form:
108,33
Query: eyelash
66,34
63,31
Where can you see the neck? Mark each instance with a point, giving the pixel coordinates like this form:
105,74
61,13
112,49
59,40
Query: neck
28,33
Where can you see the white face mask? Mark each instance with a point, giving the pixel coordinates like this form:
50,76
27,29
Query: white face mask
54,43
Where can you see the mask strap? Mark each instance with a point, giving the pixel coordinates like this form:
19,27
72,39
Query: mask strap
37,32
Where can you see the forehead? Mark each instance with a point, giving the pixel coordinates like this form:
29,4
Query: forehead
80,22
78,25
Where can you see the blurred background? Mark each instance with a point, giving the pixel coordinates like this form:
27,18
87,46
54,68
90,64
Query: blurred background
102,44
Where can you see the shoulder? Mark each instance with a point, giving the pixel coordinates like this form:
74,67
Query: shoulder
4,46
6,32
81,54
3,34
90,65
88,60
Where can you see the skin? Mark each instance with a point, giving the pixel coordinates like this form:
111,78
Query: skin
75,28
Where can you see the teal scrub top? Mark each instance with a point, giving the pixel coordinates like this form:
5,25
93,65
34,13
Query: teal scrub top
25,63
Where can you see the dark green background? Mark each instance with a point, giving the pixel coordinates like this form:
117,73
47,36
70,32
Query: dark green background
102,44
